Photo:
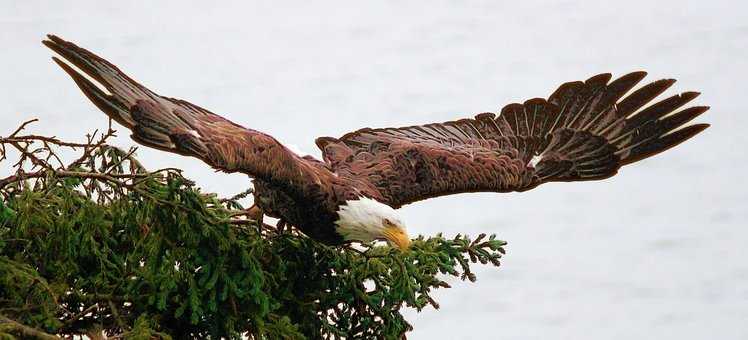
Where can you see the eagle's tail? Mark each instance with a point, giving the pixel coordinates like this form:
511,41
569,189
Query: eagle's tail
583,131
119,93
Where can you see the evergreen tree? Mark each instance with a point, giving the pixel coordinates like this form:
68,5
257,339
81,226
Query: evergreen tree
101,246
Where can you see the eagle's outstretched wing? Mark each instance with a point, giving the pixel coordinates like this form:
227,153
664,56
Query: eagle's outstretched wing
583,131
175,125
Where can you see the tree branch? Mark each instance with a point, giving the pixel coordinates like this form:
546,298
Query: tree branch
23,330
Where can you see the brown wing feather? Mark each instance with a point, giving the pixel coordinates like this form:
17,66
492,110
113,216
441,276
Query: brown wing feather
178,126
583,131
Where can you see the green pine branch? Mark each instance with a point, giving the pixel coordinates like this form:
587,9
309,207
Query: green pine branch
99,244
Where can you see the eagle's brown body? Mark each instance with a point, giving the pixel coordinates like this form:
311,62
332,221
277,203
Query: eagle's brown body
583,131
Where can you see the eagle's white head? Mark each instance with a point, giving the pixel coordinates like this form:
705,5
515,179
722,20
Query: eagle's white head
366,219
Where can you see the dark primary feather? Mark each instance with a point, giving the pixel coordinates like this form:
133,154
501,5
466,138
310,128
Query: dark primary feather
583,131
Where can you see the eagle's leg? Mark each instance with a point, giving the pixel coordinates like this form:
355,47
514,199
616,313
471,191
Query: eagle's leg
256,214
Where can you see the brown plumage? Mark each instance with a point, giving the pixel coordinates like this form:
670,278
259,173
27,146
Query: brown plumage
583,131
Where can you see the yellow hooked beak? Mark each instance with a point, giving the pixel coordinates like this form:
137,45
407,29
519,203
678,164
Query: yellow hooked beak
396,236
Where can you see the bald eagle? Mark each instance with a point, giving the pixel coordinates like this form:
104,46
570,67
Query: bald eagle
585,130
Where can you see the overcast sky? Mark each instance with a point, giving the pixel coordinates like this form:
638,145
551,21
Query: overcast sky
657,252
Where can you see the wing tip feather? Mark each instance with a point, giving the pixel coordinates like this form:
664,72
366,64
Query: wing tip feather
671,140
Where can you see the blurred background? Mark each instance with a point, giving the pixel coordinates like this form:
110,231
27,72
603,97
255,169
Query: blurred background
657,252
